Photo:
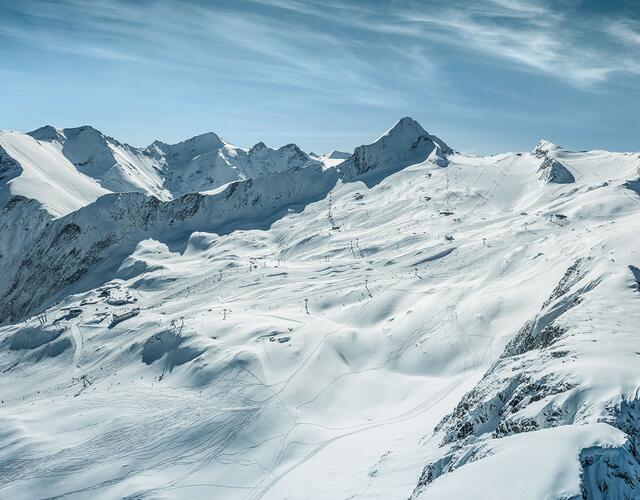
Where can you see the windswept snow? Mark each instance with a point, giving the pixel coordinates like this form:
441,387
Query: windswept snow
43,174
408,321
115,166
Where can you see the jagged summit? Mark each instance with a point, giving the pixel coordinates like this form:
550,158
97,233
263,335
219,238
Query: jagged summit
404,143
258,147
408,128
201,142
47,133
551,170
544,148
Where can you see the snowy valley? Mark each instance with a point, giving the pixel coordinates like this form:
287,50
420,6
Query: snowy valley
199,320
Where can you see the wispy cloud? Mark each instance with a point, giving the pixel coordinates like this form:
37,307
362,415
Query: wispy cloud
626,31
229,42
330,45
533,36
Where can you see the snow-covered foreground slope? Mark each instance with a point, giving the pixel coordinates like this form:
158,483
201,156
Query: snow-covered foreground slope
409,322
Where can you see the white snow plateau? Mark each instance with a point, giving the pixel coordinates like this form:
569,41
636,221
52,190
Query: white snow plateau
199,320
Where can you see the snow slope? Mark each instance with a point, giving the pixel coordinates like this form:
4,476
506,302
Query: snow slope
412,321
39,171
115,166
332,159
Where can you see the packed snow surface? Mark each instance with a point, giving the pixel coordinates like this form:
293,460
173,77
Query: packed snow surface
204,321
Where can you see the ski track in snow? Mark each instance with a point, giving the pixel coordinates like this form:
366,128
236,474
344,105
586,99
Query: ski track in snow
315,357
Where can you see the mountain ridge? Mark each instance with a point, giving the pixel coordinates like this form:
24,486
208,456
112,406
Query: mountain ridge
406,322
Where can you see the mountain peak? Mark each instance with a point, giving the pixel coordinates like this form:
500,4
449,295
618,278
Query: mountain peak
205,141
292,147
258,147
404,143
543,148
47,133
84,134
405,125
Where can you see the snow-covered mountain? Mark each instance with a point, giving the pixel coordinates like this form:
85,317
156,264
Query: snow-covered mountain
207,162
204,321
333,158
404,144
80,164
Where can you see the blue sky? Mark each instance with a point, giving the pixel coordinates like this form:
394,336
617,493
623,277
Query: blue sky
486,76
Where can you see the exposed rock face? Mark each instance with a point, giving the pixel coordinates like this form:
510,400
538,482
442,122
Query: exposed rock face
553,171
406,142
9,168
633,185
529,389
544,149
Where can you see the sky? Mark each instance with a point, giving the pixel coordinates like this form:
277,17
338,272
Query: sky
486,76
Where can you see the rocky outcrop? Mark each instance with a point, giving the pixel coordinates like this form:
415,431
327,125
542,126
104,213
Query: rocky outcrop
551,170
405,143
529,389
9,168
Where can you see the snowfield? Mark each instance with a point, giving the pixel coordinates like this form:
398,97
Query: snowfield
204,321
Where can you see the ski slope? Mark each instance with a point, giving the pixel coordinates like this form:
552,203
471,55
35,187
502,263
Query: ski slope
408,321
